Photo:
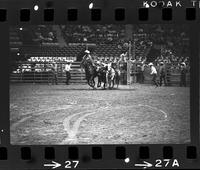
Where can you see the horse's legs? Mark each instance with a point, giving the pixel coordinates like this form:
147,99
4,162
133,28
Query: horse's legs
88,81
117,82
99,81
98,84
110,82
92,82
104,82
117,79
113,82
104,85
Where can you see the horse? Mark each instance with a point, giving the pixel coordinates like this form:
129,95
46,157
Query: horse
90,71
101,74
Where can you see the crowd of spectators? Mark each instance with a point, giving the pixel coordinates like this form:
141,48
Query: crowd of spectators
172,60
100,34
142,44
32,35
44,34
172,38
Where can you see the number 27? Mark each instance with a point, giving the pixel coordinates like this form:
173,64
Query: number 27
69,164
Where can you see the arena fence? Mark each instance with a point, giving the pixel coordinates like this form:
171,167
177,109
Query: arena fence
41,72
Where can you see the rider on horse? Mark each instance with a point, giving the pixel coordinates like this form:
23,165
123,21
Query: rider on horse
104,70
88,57
90,69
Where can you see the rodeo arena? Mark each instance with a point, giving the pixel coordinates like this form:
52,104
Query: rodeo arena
99,84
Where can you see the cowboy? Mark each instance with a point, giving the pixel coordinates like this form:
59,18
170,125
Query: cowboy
115,66
54,72
101,72
183,74
110,70
87,56
68,74
142,71
107,66
153,73
162,72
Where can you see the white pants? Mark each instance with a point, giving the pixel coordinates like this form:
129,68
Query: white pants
112,74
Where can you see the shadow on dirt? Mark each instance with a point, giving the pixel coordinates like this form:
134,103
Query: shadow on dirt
114,89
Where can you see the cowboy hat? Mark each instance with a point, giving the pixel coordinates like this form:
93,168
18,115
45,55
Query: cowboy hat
98,62
150,64
183,63
87,51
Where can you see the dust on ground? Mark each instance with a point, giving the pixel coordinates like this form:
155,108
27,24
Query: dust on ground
77,114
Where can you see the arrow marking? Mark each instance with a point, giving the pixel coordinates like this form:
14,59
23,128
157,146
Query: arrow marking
144,165
53,165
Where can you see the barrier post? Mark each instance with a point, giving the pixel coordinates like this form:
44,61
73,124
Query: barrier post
21,71
62,72
34,75
40,73
128,72
129,64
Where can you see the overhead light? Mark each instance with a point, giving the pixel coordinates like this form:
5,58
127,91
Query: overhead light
146,5
20,28
91,5
36,7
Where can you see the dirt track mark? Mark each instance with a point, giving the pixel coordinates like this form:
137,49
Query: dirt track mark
31,114
72,132
155,108
14,125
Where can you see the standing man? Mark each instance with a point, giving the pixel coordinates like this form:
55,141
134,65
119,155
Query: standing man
68,74
55,73
142,69
153,73
183,74
115,66
162,72
110,71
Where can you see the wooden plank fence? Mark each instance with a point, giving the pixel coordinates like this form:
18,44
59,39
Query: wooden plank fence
78,76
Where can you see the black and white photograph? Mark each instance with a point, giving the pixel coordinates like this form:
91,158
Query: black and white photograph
99,84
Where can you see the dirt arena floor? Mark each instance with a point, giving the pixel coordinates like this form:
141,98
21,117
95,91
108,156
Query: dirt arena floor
76,114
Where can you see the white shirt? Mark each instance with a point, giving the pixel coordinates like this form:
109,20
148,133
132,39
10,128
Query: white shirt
153,70
67,67
55,66
109,66
104,64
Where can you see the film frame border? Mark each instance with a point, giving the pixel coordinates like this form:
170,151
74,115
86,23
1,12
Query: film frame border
57,10
107,152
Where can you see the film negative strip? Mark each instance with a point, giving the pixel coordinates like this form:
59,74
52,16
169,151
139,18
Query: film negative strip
99,84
